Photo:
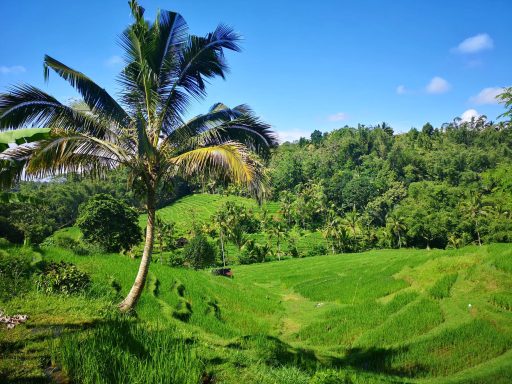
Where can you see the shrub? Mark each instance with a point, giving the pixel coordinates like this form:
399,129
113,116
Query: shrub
199,253
176,258
15,271
253,252
64,278
109,223
317,250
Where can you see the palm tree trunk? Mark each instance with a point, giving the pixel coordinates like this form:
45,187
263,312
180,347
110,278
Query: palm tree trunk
478,234
133,296
222,247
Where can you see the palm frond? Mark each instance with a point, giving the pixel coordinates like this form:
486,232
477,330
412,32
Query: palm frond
200,59
97,98
230,159
222,124
26,105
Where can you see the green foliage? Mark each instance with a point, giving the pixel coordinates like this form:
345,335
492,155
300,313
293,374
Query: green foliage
110,223
441,289
15,271
199,252
121,348
63,278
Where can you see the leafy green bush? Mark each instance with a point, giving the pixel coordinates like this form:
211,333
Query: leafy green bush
317,250
15,271
442,287
64,278
199,252
253,252
109,223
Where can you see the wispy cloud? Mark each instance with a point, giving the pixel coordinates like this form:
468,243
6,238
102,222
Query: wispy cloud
469,114
13,70
340,116
487,96
438,85
292,135
114,61
475,44
401,90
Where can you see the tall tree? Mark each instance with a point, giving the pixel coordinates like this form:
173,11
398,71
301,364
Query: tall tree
165,68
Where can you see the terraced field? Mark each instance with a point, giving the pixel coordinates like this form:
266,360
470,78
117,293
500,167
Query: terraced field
381,316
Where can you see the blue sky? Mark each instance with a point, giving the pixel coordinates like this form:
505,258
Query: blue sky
305,65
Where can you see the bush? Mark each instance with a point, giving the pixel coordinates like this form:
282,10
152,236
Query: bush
64,278
317,250
109,223
199,253
15,271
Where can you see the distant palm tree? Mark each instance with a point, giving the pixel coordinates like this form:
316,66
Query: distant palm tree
396,227
165,68
474,209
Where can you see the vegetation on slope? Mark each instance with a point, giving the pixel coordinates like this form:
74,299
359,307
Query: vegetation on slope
367,316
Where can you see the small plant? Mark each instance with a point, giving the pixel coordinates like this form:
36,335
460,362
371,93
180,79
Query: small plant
64,278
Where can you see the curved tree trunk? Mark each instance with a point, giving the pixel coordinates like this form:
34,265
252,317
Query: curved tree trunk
133,296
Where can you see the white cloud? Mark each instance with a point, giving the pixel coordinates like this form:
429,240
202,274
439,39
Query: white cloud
114,61
292,135
487,96
438,85
475,44
340,116
15,69
469,114
401,90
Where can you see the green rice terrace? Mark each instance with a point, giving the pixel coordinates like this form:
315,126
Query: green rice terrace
426,316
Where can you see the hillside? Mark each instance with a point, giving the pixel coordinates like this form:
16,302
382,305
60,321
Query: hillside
392,315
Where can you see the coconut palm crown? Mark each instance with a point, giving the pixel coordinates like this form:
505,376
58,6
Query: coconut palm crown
165,68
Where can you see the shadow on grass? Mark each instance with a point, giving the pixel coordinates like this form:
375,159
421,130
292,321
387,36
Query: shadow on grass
275,352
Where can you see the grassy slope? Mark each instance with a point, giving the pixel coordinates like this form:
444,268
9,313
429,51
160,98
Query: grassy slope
376,313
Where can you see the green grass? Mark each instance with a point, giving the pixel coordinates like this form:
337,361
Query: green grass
372,317
441,288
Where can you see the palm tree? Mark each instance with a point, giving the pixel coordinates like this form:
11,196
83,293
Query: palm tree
396,227
352,219
165,68
474,208
279,231
221,222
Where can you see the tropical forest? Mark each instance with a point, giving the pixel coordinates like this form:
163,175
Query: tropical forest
143,240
